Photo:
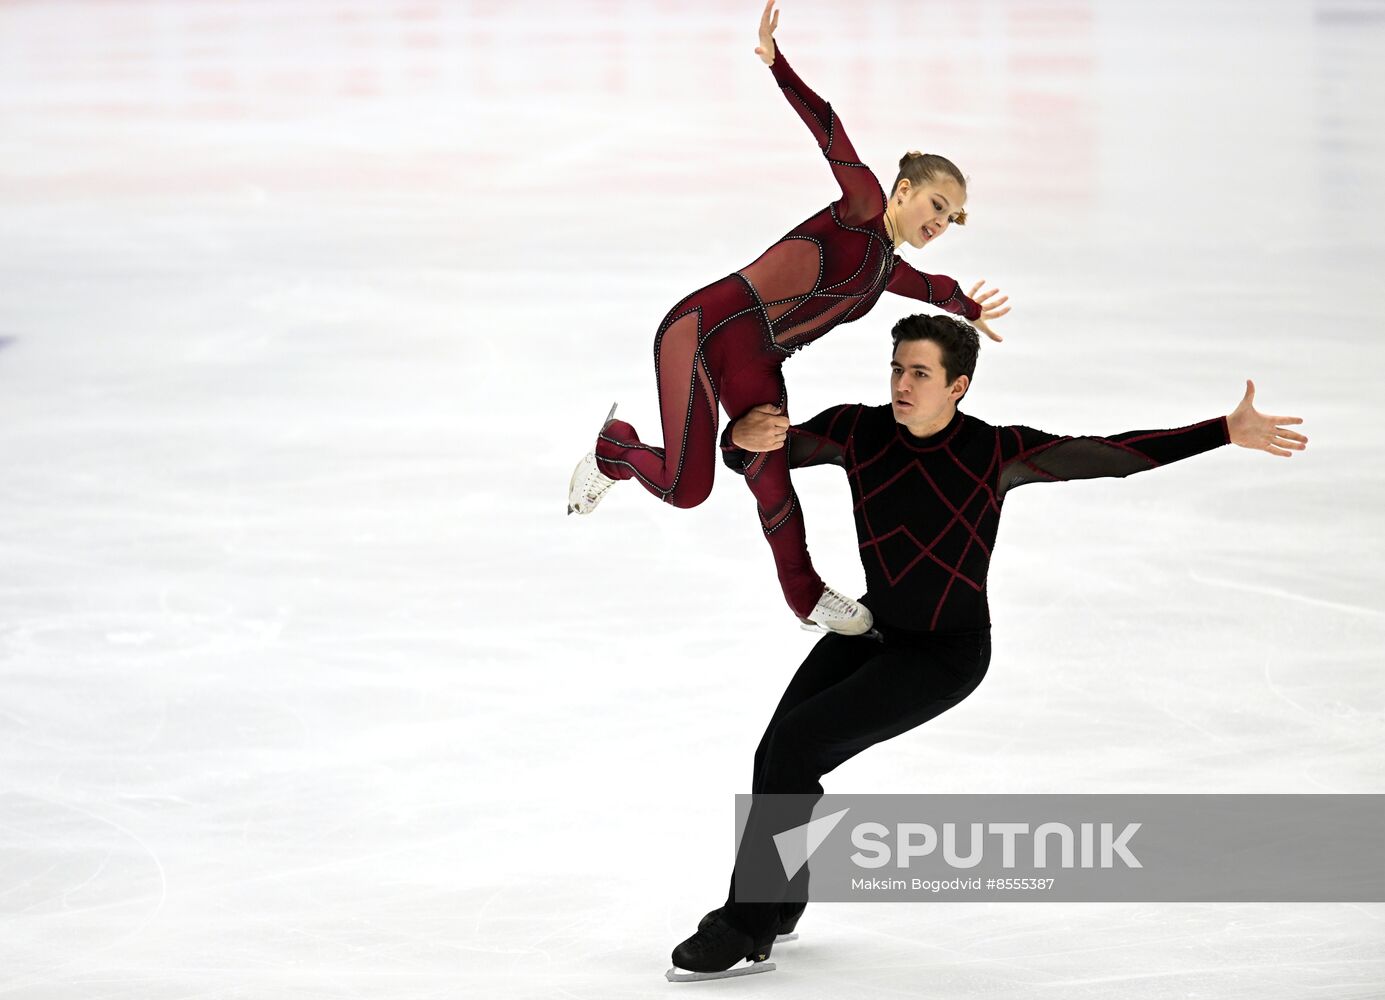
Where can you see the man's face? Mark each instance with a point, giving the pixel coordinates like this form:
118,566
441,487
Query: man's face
921,396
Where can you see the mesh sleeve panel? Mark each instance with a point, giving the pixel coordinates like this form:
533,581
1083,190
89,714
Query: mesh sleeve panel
1030,456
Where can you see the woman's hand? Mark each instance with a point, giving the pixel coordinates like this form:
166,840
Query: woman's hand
765,50
1250,428
989,309
762,429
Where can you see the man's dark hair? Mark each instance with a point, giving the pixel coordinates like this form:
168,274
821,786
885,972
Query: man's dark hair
957,341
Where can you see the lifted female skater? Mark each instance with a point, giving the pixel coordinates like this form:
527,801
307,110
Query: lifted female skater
726,342
926,543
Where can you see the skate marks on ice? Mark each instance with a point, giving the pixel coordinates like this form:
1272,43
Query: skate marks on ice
1287,595
70,863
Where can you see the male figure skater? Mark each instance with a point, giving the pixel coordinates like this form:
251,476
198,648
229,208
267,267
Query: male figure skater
927,483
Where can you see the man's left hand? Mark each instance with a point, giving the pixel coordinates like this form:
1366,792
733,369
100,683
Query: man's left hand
1250,428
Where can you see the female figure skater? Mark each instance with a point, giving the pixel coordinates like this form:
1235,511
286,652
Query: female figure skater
726,342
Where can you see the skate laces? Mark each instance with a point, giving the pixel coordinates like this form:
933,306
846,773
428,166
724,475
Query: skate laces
836,605
719,930
596,482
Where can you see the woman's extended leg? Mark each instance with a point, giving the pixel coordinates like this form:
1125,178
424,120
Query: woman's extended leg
767,475
715,347
681,472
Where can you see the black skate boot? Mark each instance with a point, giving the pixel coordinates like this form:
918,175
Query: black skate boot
712,952
788,920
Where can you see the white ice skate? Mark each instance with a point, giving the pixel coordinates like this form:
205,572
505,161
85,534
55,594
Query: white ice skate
588,483
838,613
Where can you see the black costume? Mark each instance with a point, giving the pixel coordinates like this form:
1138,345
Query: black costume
926,511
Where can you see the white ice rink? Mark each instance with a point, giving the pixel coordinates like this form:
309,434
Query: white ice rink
308,688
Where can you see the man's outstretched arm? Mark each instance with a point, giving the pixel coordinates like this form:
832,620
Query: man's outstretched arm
1030,456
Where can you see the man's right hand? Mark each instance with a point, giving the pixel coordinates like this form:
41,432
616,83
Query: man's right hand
764,428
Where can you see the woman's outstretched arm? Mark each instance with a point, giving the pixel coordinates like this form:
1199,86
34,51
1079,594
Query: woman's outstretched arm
862,197
946,293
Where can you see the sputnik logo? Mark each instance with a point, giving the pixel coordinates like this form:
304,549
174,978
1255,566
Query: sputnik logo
796,845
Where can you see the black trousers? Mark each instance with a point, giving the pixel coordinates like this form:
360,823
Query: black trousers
849,694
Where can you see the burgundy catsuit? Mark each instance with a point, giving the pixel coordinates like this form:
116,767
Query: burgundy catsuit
727,341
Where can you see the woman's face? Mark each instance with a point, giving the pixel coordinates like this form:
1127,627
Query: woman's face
928,209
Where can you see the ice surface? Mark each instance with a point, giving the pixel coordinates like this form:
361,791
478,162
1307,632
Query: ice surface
311,689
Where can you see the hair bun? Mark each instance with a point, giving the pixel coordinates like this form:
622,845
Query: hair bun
920,168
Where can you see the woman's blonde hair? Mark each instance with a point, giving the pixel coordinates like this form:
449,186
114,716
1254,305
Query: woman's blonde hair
920,168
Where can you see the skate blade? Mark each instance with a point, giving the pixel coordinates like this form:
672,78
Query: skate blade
675,975
824,630
781,938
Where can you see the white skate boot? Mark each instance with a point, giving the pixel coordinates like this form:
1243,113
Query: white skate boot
837,613
588,483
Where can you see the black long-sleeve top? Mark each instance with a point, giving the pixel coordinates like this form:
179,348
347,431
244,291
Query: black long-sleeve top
927,509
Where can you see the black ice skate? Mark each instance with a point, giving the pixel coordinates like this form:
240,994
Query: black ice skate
788,920
712,952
